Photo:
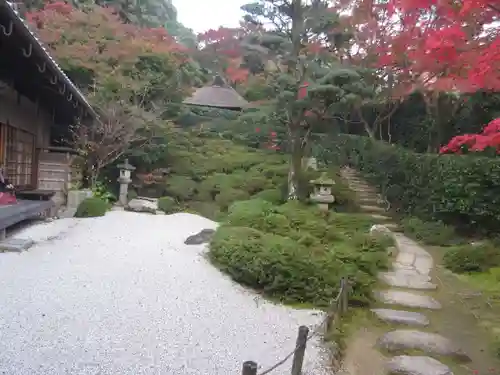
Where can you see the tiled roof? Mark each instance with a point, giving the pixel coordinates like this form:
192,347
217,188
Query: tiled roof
75,91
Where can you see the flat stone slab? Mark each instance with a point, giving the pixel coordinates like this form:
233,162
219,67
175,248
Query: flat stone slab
402,279
430,343
401,317
202,237
416,365
408,299
16,244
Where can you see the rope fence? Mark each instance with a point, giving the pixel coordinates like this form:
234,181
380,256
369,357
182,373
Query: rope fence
338,307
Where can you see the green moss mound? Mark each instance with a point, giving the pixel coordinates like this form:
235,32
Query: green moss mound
92,207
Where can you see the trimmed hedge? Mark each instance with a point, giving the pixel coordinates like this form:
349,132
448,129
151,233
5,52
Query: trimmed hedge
455,189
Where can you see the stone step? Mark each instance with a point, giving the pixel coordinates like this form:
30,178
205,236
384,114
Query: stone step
371,201
380,217
416,365
429,343
370,208
408,280
407,299
360,187
401,317
393,226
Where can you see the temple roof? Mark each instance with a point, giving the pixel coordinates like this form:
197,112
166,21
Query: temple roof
218,95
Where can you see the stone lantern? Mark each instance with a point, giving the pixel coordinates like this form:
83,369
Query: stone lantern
323,192
124,180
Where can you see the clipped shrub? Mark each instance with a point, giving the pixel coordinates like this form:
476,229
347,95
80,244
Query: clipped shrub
227,196
181,188
275,265
460,190
270,195
92,207
167,205
293,251
431,233
472,258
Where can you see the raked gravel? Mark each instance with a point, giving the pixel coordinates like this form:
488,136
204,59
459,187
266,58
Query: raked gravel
122,294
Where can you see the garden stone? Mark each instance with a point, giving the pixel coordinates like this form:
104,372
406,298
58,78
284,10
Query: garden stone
142,205
416,365
199,238
379,229
16,244
408,299
401,317
430,343
407,280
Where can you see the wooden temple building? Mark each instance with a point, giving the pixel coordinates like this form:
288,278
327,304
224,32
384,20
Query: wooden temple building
38,103
217,95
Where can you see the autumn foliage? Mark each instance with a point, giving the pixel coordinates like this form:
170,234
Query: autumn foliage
489,138
96,48
223,48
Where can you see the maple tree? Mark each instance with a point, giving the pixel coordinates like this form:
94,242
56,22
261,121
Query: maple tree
221,50
488,139
130,74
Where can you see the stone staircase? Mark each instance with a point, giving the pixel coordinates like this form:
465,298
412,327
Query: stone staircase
404,302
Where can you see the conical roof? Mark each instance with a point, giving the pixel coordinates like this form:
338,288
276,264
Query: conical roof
218,95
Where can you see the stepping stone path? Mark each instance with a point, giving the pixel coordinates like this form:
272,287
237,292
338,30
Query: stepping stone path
407,283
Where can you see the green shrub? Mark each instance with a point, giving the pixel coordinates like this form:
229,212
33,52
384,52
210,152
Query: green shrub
92,207
270,195
209,210
295,252
274,264
167,205
181,187
472,258
431,233
227,196
455,189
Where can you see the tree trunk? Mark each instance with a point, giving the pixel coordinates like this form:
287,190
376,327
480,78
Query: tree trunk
295,167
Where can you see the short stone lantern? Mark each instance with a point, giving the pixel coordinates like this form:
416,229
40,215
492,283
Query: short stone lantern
323,193
124,180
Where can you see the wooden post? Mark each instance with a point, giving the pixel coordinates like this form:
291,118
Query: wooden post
249,368
300,349
345,296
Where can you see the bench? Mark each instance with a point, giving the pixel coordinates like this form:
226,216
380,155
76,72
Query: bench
23,210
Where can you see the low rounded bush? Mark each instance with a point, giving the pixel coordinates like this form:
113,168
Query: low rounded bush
472,258
92,207
430,233
275,264
270,195
227,196
167,204
181,187
295,253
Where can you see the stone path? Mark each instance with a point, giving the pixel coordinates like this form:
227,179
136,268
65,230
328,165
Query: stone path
408,284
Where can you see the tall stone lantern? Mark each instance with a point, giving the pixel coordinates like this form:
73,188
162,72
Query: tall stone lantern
322,194
124,180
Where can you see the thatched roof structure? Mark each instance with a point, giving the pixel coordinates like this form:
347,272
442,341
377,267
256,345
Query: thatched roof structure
218,95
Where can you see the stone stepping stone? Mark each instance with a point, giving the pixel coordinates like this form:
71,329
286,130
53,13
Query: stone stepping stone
407,299
407,280
401,317
416,365
430,343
